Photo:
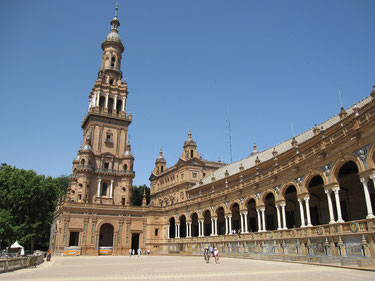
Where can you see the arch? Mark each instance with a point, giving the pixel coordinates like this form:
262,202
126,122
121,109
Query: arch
285,186
110,105
312,174
319,212
370,159
118,106
238,202
251,214
99,225
106,231
339,163
236,219
172,227
352,197
222,205
182,220
125,167
220,213
207,223
265,194
292,213
101,103
194,224
247,199
270,210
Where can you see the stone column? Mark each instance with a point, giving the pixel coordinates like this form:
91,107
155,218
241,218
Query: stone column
263,219
259,221
283,215
99,183
242,224
199,228
338,205
215,226
93,100
330,207
175,230
245,218
97,99
169,235
307,199
302,212
178,230
230,223
370,214
279,226
115,103
123,103
106,100
111,190
226,225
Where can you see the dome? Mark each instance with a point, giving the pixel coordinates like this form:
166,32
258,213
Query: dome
160,158
113,36
128,153
87,147
190,141
77,158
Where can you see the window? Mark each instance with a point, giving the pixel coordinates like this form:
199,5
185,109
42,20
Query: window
125,167
108,138
79,196
191,153
104,189
74,237
113,61
162,168
111,81
123,201
83,162
156,231
106,165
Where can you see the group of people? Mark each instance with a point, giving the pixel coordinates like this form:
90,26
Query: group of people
211,251
139,252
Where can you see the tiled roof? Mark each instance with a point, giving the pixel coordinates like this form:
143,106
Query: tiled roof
265,155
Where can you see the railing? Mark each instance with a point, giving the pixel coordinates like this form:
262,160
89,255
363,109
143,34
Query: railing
10,264
105,170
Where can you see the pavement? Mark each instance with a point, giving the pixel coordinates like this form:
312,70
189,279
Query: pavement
179,268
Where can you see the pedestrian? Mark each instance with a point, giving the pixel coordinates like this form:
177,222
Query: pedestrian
148,251
216,254
211,250
139,252
133,252
130,252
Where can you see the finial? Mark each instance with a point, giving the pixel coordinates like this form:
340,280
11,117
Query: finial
116,10
161,152
189,134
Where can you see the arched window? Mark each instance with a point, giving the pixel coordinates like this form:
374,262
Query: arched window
83,162
104,189
191,153
125,167
162,168
113,59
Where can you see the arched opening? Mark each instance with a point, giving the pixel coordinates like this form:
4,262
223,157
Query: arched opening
182,226
291,208
172,228
125,167
118,107
106,235
110,105
194,225
318,201
207,223
113,60
101,103
83,162
220,221
191,153
252,216
352,197
236,220
270,211
104,189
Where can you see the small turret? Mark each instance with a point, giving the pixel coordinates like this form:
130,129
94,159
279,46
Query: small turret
160,163
190,148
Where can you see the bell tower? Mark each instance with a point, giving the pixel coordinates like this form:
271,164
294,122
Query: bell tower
103,169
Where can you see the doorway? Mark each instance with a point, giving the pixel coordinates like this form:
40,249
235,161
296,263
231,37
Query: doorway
135,241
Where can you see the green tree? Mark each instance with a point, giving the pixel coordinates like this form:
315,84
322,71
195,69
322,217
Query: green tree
137,194
27,203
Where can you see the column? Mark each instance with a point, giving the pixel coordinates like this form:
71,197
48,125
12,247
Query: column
245,218
175,230
283,215
93,100
215,226
307,199
263,219
278,217
370,214
169,236
178,230
99,183
230,224
259,221
187,229
226,225
97,99
330,208
123,103
242,226
111,190
199,228
338,205
115,104
302,212
106,100
190,224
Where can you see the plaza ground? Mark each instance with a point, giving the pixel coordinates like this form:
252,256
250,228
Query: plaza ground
180,268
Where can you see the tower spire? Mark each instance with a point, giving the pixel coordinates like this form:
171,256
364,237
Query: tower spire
116,9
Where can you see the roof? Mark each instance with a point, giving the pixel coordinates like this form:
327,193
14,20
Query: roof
265,155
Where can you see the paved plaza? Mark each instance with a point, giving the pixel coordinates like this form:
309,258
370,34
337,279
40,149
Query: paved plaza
180,268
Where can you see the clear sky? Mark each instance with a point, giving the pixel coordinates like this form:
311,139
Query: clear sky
189,64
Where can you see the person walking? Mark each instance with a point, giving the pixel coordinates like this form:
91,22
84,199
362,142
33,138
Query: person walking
216,254
139,252
133,252
130,252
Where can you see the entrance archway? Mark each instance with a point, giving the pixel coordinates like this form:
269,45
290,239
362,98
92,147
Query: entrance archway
251,216
106,235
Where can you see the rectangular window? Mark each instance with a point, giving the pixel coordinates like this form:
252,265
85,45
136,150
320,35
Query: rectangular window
74,237
156,231
106,165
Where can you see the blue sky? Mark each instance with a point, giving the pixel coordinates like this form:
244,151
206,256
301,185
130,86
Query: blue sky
189,64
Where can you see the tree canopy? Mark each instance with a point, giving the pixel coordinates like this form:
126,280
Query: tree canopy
27,203
137,194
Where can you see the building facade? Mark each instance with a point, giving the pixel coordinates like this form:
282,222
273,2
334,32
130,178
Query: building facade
311,197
